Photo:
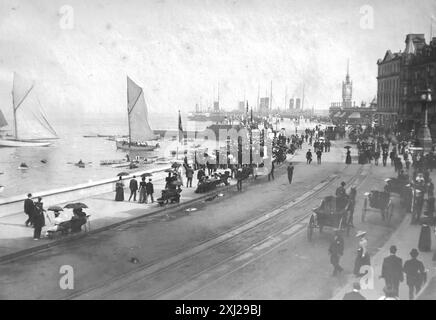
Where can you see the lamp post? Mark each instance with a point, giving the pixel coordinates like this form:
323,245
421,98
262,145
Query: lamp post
425,139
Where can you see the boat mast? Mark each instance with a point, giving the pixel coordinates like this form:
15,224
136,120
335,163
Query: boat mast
15,115
286,97
219,97
258,97
128,113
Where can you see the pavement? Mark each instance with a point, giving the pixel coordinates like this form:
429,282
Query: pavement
405,238
17,239
104,212
257,264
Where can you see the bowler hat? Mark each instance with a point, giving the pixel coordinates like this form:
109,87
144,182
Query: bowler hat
414,253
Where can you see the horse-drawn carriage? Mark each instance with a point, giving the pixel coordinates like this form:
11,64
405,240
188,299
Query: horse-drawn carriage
380,200
333,212
207,185
398,185
169,195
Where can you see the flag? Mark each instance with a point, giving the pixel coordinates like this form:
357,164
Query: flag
180,128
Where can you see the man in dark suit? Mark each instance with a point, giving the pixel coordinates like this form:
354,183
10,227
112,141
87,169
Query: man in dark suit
355,294
29,209
290,172
392,270
415,272
133,188
336,250
150,190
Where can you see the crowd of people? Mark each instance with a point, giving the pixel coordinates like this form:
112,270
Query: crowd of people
413,168
35,215
36,218
393,272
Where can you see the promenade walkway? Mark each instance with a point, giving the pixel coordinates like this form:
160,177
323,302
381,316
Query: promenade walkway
104,211
17,239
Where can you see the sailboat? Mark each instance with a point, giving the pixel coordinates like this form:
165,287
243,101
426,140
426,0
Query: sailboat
3,123
31,127
139,128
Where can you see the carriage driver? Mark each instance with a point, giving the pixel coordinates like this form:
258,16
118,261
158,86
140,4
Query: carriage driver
341,197
340,191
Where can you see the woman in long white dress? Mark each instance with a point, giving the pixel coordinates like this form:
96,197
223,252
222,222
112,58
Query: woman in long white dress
362,258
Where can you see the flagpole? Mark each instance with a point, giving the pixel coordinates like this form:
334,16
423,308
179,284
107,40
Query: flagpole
178,140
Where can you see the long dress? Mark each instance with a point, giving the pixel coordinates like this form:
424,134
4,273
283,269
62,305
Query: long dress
424,243
119,191
362,258
348,158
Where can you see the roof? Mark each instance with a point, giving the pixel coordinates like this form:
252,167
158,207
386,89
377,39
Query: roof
354,115
389,56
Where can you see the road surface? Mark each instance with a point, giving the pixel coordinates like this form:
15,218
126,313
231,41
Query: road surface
247,245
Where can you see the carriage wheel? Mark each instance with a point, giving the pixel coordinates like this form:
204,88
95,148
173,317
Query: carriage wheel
341,225
389,211
321,228
364,209
310,228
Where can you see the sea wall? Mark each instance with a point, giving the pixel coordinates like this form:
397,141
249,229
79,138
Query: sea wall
13,205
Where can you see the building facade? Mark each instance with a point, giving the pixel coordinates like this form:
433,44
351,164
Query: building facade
216,106
241,106
297,103
264,105
389,89
347,112
402,77
347,90
291,103
420,75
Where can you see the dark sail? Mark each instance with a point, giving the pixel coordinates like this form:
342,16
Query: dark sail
3,122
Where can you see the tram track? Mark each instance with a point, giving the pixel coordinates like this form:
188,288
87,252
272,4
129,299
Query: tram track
245,258
155,270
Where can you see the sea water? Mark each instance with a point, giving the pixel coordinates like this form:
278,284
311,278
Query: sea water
53,167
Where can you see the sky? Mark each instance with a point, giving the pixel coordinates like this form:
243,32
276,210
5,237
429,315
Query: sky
79,52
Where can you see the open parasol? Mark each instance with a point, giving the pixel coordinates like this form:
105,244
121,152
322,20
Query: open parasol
76,205
347,147
55,208
122,174
145,175
175,165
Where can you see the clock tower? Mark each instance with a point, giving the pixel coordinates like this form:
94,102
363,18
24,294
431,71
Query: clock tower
347,89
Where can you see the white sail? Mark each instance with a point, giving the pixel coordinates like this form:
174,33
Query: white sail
30,120
140,130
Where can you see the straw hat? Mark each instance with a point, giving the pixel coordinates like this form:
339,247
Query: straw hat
360,233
